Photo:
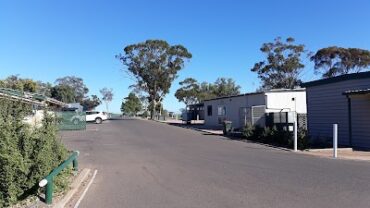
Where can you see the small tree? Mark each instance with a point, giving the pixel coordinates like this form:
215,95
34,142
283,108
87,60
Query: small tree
282,66
131,105
334,61
154,65
107,96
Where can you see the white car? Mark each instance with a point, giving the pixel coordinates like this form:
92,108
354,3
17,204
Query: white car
96,116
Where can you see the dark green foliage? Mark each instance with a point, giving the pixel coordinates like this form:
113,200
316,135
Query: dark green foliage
282,66
303,139
27,154
334,61
90,103
63,93
154,65
225,87
24,85
131,105
78,86
248,131
275,136
191,92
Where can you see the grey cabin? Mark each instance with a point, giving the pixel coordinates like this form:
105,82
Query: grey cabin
342,100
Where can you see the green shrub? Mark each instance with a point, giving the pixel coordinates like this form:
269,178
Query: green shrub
303,139
248,130
27,154
275,136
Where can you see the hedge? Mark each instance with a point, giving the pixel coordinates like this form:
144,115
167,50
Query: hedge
27,154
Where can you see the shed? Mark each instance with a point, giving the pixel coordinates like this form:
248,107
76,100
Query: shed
344,100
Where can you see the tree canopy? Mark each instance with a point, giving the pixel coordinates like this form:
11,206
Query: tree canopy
107,96
191,92
90,103
334,61
283,64
63,93
77,84
131,105
225,87
16,83
154,65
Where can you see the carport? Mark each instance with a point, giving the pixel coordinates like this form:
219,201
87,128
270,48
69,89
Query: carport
358,117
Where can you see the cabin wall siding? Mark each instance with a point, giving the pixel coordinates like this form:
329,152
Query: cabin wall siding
233,106
361,120
326,105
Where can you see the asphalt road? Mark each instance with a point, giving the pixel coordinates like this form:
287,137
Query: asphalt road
153,165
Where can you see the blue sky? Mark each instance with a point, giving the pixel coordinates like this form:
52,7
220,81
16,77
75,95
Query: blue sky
44,40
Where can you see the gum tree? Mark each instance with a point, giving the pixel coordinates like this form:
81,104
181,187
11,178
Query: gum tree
154,65
334,61
107,96
282,66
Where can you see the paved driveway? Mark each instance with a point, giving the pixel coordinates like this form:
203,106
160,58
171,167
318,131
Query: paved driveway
153,165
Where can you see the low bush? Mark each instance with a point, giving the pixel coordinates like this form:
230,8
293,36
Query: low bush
27,154
275,136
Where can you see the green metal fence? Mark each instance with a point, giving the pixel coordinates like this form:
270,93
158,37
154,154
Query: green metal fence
48,183
71,120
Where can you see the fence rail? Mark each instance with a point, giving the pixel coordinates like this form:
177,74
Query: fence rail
48,180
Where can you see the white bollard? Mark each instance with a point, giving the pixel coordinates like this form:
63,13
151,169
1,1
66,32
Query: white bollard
295,132
43,182
335,140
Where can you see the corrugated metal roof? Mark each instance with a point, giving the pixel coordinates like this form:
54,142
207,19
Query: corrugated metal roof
262,92
357,92
28,97
345,77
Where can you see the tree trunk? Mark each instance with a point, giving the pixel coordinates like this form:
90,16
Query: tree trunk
106,103
152,110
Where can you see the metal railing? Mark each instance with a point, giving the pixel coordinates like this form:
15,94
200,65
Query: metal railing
48,180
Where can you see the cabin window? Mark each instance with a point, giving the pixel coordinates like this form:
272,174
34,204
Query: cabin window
209,110
221,111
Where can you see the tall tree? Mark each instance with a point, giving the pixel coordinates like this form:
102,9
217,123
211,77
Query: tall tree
131,105
107,96
154,65
334,61
283,64
189,91
77,84
206,91
90,103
